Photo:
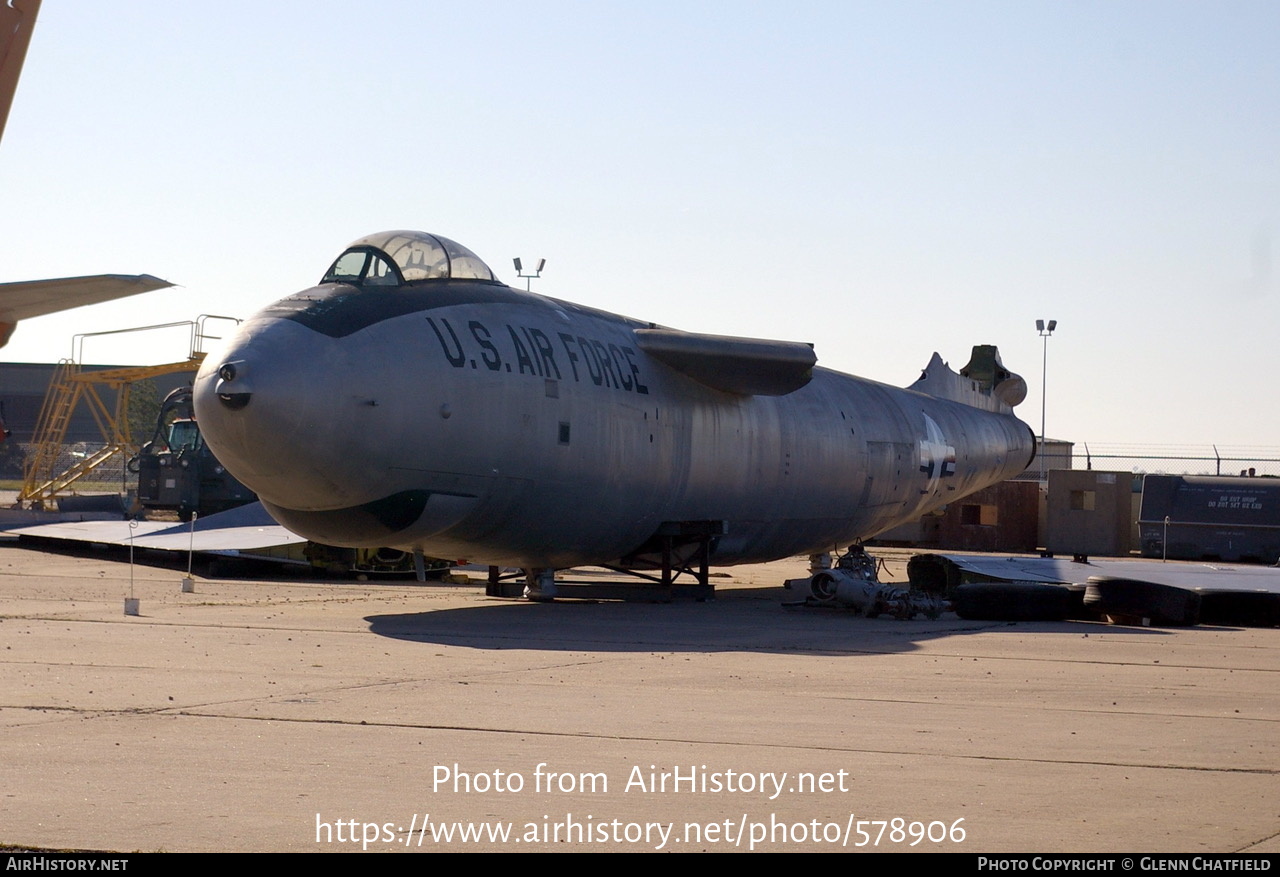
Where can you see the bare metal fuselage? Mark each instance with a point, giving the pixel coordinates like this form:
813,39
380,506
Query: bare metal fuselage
477,421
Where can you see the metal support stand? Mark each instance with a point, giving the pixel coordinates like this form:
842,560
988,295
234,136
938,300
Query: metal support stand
819,562
677,548
540,585
498,585
675,534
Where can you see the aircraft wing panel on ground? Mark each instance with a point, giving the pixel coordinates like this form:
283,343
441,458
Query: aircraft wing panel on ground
1204,577
1175,593
240,529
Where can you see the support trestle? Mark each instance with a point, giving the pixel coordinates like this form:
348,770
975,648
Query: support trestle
678,548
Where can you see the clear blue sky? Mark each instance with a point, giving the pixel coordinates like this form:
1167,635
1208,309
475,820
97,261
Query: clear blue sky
881,179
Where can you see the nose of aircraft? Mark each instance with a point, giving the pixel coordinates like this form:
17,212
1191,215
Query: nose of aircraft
232,388
271,416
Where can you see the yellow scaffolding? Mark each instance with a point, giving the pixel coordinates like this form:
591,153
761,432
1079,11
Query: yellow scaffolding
67,388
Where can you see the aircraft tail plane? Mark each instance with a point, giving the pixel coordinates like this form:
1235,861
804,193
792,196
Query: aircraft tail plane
983,383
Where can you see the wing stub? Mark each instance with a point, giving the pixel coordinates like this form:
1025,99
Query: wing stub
742,366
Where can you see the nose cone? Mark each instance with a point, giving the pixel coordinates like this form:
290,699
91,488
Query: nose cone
270,406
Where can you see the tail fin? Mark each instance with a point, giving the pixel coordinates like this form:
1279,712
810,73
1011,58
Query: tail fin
984,383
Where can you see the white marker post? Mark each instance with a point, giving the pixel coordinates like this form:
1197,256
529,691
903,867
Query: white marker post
188,583
132,606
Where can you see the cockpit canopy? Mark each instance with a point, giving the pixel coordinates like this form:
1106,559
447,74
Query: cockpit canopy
390,258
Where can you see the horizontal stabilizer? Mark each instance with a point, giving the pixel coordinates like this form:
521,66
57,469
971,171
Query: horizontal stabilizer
743,366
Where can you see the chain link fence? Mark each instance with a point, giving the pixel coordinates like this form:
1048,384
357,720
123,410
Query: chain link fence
108,477
1178,459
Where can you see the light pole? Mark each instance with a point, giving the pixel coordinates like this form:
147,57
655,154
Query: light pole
1045,331
528,278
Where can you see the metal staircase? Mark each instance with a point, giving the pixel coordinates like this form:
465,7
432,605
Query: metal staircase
68,387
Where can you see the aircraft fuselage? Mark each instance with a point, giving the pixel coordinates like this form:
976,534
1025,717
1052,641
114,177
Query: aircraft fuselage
472,420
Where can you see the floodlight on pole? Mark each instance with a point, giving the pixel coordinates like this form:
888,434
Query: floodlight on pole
1045,331
528,278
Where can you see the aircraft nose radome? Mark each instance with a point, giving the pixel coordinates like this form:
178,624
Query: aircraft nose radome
274,421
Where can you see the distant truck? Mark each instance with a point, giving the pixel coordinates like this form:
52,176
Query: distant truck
177,471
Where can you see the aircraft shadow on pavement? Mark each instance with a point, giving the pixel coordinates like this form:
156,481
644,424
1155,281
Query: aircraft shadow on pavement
752,621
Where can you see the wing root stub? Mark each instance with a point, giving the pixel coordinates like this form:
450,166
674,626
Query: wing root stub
741,366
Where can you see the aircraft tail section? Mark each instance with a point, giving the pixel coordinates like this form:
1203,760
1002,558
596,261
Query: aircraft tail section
983,383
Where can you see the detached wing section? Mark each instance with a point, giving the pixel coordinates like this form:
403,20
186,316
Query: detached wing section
743,366
35,298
